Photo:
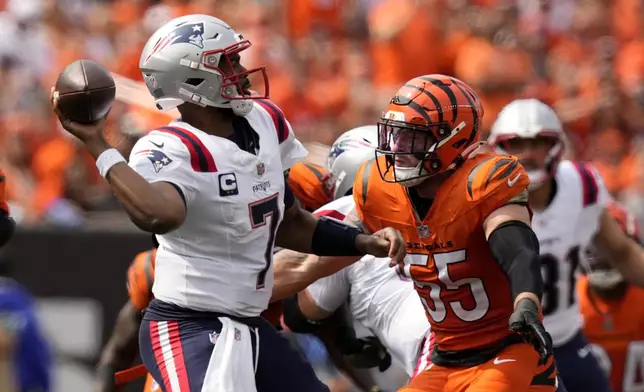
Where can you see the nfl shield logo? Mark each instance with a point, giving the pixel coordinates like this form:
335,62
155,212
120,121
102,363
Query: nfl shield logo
423,231
237,335
260,169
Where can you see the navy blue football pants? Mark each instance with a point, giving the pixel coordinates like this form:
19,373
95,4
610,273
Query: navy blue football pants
578,368
176,345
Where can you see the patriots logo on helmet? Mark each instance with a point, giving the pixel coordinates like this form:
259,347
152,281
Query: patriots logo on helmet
336,150
342,145
158,158
191,33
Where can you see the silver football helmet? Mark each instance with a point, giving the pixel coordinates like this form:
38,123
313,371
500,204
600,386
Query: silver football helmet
347,154
180,63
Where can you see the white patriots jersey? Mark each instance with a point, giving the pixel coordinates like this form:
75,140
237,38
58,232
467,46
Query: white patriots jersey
379,298
220,259
565,229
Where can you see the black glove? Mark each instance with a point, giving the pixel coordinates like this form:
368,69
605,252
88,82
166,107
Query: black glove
366,353
525,322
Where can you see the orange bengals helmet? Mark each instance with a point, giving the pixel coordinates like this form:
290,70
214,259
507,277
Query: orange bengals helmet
428,125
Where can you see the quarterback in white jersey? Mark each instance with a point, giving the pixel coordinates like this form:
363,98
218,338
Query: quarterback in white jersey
211,186
569,201
378,299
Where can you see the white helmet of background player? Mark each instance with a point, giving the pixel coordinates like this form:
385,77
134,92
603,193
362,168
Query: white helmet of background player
180,63
530,119
347,154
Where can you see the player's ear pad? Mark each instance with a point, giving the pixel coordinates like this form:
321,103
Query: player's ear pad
7,227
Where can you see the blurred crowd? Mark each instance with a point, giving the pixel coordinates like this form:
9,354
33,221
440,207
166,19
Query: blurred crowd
332,65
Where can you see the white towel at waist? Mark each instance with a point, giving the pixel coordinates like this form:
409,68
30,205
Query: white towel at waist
232,367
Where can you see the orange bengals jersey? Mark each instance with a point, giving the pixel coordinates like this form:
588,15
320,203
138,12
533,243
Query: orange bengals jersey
140,277
616,331
466,295
307,181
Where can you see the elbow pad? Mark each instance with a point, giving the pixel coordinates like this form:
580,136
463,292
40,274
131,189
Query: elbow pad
516,248
295,320
7,227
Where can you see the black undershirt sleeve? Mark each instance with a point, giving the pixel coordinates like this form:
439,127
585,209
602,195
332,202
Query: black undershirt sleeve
516,248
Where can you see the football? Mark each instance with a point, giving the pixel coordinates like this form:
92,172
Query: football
86,91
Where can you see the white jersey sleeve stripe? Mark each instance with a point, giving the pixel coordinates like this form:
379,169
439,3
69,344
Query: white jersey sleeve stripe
589,183
201,159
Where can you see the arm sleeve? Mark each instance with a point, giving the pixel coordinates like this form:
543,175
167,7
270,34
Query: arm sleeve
329,293
162,157
516,248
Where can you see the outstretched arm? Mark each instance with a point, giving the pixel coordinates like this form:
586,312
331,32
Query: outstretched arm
294,271
516,248
625,254
304,232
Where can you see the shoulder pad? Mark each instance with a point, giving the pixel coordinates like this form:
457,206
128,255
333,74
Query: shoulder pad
277,117
589,182
140,277
180,140
497,179
308,183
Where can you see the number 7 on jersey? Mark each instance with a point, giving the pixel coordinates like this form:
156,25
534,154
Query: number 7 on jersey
259,212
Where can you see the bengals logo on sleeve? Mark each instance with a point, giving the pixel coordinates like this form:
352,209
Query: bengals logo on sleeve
495,181
140,277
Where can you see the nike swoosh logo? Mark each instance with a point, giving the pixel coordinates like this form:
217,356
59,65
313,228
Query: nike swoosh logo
513,181
583,352
158,145
498,361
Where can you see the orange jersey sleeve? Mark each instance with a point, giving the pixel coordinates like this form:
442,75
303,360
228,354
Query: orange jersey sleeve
3,201
140,277
308,183
494,181
616,331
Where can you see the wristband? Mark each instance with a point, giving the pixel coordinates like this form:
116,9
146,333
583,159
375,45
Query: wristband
334,238
107,160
